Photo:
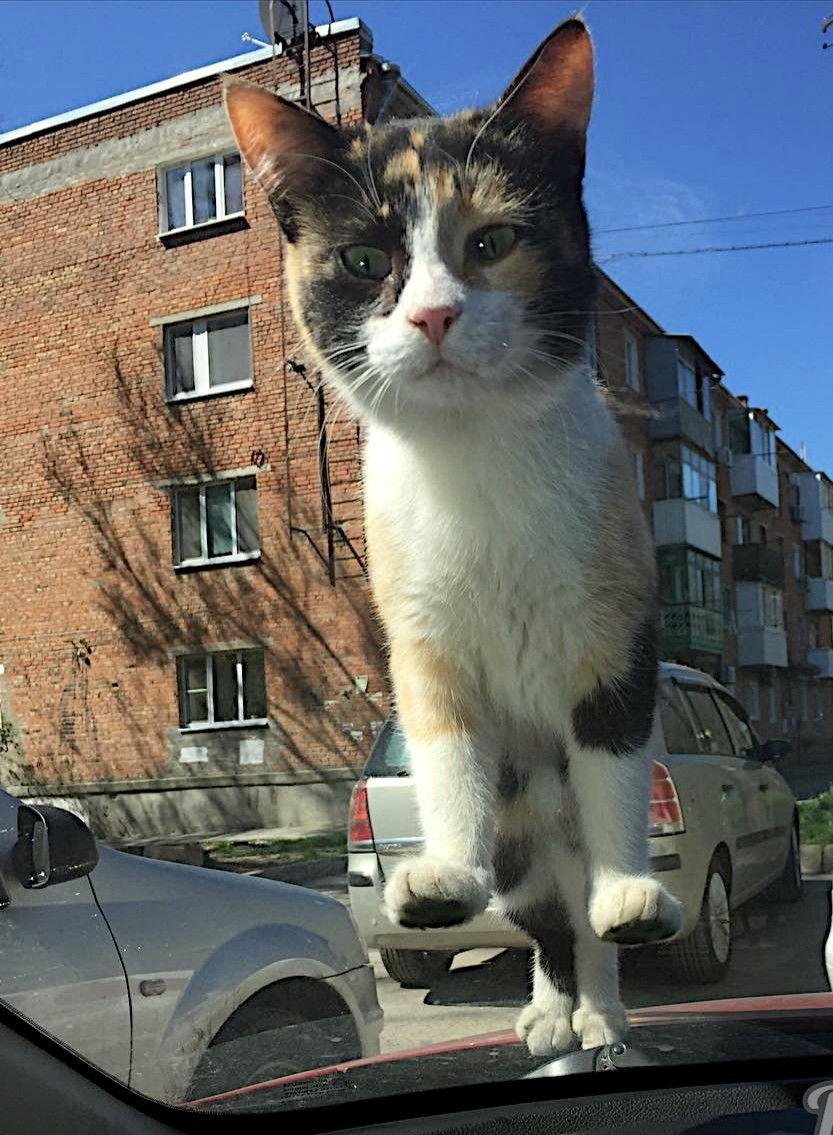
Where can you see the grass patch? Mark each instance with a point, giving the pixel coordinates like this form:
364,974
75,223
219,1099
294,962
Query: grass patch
282,850
817,818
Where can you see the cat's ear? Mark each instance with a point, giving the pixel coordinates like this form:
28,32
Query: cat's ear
286,147
554,89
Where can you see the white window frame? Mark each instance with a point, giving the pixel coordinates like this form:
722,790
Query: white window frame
210,723
199,345
188,190
631,361
204,560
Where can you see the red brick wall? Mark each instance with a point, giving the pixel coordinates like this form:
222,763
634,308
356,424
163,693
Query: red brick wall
87,437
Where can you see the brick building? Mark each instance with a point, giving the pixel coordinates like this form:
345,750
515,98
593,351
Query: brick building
186,639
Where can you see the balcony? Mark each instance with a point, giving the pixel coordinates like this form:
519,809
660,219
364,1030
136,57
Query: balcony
819,595
681,521
753,482
762,646
676,418
758,563
816,519
823,661
687,627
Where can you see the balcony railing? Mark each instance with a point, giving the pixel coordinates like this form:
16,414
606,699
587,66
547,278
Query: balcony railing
819,595
758,563
754,481
680,521
685,626
762,646
676,418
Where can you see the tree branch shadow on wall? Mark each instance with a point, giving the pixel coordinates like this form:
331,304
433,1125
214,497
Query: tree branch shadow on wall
153,611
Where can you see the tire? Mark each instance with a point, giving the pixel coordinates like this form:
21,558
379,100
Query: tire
788,888
260,1042
417,969
703,957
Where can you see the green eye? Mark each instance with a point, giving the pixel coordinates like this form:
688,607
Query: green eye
365,262
493,243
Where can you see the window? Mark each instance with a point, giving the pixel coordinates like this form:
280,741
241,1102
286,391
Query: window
223,688
638,459
739,731
798,563
773,705
216,522
711,729
206,190
207,356
631,361
677,726
687,576
686,382
743,530
728,615
691,476
773,606
812,634
750,434
751,698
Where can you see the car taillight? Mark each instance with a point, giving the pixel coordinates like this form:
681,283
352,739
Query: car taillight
665,816
359,830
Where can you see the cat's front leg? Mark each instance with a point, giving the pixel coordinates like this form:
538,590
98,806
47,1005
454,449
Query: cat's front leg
455,764
609,771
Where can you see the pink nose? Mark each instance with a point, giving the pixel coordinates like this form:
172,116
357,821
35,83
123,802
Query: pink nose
435,321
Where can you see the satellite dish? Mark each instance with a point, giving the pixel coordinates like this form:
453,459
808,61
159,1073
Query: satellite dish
283,20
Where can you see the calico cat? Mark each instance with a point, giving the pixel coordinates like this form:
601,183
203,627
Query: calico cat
440,272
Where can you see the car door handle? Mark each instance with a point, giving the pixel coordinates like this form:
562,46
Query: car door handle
728,787
763,788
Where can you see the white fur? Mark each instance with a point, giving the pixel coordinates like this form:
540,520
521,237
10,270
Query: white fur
486,463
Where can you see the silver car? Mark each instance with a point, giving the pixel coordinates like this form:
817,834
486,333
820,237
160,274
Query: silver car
181,982
723,827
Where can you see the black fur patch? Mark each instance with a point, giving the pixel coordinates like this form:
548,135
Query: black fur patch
511,860
552,931
513,781
618,716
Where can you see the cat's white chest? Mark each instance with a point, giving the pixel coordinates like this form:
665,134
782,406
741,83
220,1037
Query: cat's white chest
493,550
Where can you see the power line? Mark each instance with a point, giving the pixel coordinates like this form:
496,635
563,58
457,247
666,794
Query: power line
714,248
716,220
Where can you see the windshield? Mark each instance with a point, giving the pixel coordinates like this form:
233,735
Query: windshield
417,539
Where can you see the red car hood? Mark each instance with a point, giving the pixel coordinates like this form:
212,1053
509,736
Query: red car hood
798,1004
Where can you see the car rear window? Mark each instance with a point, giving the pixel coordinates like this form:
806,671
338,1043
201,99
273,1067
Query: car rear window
389,756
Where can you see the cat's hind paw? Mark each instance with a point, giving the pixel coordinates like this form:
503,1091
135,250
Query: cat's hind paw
634,910
600,1024
426,892
547,1031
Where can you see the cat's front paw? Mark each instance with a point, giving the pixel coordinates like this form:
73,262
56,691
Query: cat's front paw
596,1025
547,1031
634,910
427,892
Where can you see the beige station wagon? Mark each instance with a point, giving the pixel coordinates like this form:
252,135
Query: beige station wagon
723,827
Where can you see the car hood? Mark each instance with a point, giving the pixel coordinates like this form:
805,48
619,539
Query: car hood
693,1032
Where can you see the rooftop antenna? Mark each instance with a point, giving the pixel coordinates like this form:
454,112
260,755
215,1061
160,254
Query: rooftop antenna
286,24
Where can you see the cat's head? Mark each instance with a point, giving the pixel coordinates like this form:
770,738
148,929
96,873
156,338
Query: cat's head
439,263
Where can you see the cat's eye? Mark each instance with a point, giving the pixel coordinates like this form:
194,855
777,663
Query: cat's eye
366,262
493,243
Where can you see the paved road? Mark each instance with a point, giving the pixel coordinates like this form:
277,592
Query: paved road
777,949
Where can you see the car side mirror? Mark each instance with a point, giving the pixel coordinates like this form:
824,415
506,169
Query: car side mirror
53,846
774,750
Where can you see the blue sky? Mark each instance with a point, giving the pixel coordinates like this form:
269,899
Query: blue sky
704,109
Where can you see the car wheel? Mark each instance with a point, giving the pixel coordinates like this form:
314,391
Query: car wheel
788,887
262,1042
704,955
417,969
